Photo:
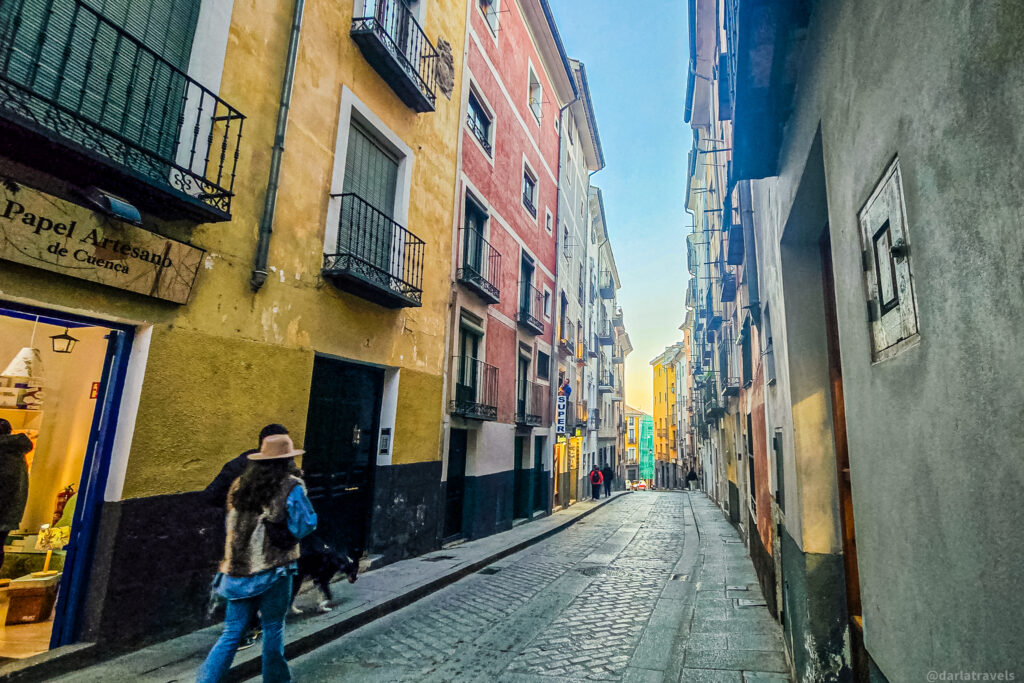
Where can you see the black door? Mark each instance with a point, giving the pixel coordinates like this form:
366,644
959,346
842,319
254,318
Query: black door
341,445
455,489
540,487
520,482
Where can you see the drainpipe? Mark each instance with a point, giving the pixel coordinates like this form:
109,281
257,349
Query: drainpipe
556,299
259,268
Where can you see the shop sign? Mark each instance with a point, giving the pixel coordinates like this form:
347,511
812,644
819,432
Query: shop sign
42,231
560,419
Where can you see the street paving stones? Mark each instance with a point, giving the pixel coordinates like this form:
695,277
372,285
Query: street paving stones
643,590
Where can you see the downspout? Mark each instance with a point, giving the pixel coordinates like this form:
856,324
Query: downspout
556,299
259,268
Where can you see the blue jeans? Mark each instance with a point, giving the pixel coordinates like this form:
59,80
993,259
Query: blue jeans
272,605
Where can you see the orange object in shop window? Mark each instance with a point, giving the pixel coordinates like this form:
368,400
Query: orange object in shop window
62,500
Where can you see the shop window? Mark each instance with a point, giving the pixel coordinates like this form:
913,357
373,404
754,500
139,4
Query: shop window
888,278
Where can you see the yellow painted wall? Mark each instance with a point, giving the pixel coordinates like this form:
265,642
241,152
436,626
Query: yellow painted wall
229,361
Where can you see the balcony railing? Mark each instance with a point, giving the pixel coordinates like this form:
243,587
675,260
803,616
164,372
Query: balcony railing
605,381
728,287
528,202
605,333
618,357
731,386
532,402
476,389
82,98
480,265
531,307
606,285
617,317
567,345
396,47
479,133
375,257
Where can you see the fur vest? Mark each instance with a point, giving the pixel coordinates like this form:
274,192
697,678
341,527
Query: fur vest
248,548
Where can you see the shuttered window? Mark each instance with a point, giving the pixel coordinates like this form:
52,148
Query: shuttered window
371,173
65,54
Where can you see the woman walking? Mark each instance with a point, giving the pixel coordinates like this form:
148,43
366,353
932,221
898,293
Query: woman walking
267,513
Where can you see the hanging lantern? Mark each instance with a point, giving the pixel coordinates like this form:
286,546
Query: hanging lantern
63,343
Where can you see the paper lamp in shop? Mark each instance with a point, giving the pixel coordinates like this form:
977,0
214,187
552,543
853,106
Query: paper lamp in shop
51,538
63,343
27,363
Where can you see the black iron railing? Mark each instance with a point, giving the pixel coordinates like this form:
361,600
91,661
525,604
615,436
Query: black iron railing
531,306
617,317
409,58
480,265
68,72
528,202
379,257
532,404
479,133
606,284
728,288
605,381
605,332
476,389
618,356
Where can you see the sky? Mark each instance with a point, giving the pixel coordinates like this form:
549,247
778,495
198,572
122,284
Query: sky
636,68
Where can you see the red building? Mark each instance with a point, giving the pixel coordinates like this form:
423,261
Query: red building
498,442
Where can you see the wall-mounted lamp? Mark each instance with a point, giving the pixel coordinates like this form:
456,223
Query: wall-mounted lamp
63,343
112,205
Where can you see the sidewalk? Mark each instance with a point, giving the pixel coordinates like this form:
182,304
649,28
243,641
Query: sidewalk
376,594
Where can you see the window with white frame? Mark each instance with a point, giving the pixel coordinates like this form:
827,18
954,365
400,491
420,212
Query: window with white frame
547,221
530,191
479,122
491,10
536,94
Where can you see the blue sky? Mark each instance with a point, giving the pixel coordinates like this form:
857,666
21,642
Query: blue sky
636,58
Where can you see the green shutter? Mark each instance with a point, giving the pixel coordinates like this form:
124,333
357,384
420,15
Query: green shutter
65,54
371,173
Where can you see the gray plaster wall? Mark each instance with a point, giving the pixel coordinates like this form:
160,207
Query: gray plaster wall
935,433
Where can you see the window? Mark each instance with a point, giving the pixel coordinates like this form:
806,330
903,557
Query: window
543,365
769,349
491,14
536,95
563,322
479,122
565,241
632,433
547,304
530,192
892,305
547,221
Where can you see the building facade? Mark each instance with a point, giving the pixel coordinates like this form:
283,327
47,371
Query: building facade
667,416
502,367
633,441
831,235
204,271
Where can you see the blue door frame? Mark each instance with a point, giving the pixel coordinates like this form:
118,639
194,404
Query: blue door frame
95,468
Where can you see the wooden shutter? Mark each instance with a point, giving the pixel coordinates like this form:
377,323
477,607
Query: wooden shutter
371,173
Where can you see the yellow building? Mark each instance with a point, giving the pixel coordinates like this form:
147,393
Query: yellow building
242,215
667,427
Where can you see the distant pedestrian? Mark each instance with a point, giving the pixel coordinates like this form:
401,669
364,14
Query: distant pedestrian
608,475
691,480
267,513
596,478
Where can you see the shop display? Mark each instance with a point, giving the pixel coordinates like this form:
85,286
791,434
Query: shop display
31,598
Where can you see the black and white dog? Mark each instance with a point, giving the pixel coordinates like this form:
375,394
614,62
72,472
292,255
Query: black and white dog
320,561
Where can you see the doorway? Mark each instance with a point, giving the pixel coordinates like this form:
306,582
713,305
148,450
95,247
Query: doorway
60,388
341,445
520,481
539,479
846,523
455,488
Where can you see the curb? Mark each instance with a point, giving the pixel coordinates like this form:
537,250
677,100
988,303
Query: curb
306,644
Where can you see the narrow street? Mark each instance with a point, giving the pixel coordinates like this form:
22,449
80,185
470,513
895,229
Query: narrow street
653,587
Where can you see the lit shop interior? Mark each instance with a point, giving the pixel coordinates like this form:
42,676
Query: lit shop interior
49,389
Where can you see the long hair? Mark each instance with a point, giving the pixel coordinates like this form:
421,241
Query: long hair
260,482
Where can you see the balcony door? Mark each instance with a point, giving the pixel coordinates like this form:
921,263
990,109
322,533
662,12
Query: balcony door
522,375
473,239
526,269
367,227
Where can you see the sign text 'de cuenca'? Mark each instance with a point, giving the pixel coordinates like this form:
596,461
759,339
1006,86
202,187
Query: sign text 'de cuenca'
39,230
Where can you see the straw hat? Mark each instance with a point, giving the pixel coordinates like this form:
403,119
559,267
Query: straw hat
276,446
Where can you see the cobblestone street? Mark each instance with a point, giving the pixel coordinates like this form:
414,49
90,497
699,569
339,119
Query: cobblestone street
655,586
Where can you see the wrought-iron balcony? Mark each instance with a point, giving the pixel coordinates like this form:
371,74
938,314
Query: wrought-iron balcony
605,382
528,202
593,350
531,307
731,386
532,401
734,255
479,266
85,100
605,333
617,320
375,257
606,285
396,47
728,287
618,357
476,389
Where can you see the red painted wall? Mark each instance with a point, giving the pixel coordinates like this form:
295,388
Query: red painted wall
498,181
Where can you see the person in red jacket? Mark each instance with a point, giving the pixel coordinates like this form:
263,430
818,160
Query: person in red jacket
596,479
